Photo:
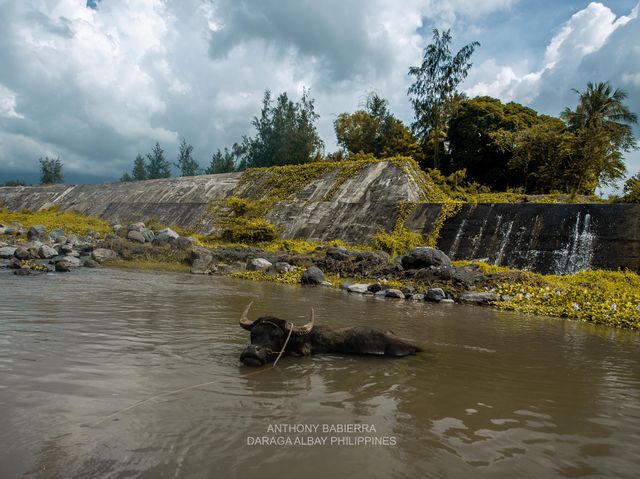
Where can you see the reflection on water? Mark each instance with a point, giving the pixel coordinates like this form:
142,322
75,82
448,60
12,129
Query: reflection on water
493,395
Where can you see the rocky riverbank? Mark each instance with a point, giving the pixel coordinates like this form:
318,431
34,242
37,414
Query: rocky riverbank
422,274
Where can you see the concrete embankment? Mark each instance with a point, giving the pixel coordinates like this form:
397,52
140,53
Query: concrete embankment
554,238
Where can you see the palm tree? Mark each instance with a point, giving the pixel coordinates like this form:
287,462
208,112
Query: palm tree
600,109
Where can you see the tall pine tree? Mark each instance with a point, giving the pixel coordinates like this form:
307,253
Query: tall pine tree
158,166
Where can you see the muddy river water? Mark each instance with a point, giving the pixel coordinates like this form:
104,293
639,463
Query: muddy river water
494,394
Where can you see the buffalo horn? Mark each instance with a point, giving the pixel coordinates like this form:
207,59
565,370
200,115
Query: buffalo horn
244,321
302,330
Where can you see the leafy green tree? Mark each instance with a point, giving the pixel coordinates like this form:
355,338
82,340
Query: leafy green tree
157,166
222,162
50,171
602,126
186,164
433,92
632,189
285,133
126,178
374,130
473,144
139,169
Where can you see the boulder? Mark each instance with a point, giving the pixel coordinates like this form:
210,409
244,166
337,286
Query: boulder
7,251
435,294
117,228
474,297
102,254
135,235
22,272
73,261
394,293
258,264
149,235
185,242
90,263
417,297
38,232
328,284
424,257
359,288
72,240
22,253
67,249
46,252
136,227
169,233
203,266
282,267
56,233
339,253
374,288
408,290
345,285
14,263
313,275
60,240
64,266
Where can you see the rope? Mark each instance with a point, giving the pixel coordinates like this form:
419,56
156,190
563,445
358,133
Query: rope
187,388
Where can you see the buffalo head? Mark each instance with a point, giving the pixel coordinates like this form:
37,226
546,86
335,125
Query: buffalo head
268,337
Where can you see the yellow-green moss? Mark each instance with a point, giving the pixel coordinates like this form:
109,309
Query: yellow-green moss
292,277
400,239
70,221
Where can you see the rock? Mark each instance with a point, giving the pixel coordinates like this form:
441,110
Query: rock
72,240
345,285
328,284
468,275
117,228
73,261
339,253
435,294
67,249
22,253
417,297
102,254
135,235
14,263
394,293
313,275
258,264
149,235
90,263
37,232
61,240
7,251
381,293
64,266
282,267
56,233
447,301
203,266
139,227
424,257
359,288
22,272
374,288
169,233
162,240
184,242
408,290
46,252
477,298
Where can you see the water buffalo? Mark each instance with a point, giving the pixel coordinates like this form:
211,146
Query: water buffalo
269,336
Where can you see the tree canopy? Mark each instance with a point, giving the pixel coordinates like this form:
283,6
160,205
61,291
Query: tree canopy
433,92
374,130
186,164
50,170
157,166
285,133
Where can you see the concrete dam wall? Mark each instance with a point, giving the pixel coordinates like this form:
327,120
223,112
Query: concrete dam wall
549,238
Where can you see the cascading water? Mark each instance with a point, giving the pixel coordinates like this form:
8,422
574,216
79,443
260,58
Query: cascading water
577,254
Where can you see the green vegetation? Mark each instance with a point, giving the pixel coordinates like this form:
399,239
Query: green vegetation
292,277
148,264
51,218
400,239
186,164
433,93
50,171
14,183
375,131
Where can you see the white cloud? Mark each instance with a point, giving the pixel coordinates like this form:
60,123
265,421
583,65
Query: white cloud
8,103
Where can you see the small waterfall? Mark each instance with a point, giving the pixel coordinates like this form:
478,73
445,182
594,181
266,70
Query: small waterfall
577,254
456,241
506,231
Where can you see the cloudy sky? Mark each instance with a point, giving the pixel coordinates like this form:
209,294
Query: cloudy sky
96,82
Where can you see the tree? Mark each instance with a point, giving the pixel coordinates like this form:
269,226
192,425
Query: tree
126,178
285,133
186,164
632,189
473,144
50,170
15,183
223,162
433,92
602,127
374,130
157,166
139,169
